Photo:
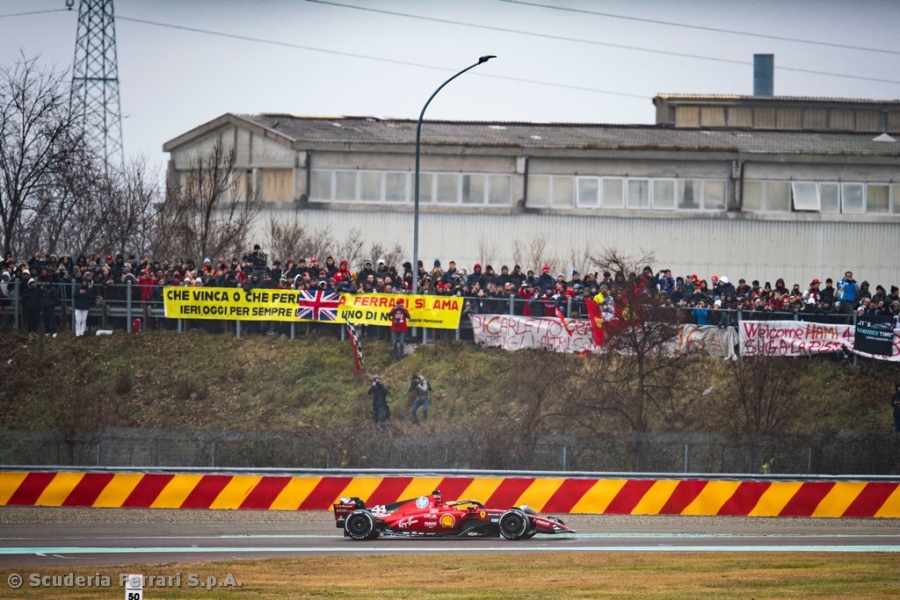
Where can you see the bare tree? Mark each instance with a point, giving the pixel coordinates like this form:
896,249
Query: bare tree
209,212
537,248
518,253
131,217
351,248
47,226
486,250
38,135
763,396
390,256
639,374
289,240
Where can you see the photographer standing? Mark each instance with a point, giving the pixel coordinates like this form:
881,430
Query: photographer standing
380,410
846,293
422,390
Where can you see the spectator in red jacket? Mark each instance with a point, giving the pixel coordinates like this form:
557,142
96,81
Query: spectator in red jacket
399,317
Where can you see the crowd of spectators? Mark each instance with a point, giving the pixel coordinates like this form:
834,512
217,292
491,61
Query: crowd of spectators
46,280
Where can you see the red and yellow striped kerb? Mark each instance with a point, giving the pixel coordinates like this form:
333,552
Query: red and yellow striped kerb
551,495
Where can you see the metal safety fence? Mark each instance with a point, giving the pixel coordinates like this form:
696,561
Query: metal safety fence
132,308
848,453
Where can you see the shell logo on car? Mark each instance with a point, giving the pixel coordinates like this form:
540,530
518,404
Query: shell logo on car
448,521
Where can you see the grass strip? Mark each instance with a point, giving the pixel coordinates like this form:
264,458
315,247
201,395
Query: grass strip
539,576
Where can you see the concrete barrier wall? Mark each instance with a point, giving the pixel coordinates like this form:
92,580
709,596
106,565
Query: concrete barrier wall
761,498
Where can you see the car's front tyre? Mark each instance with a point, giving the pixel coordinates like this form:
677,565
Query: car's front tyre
514,524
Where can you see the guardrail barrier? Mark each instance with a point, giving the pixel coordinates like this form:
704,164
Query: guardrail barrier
630,496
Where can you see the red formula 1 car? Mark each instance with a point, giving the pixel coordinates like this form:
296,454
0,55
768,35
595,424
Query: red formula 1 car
432,516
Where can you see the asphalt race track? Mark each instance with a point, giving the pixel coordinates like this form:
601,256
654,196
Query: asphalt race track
34,537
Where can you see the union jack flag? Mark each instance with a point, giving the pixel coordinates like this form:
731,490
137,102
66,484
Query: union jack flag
319,305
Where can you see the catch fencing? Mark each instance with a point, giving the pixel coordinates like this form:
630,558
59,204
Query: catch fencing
123,307
847,453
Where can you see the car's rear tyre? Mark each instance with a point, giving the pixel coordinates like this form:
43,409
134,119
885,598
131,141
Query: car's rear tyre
514,524
360,526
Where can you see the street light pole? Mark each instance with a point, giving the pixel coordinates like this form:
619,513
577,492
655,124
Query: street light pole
415,263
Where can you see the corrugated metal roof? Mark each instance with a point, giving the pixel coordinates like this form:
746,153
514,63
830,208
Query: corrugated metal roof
575,136
776,99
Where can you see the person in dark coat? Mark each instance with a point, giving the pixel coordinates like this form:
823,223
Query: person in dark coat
85,298
49,302
31,302
380,410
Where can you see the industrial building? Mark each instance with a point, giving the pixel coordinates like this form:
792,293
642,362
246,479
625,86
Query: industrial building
745,186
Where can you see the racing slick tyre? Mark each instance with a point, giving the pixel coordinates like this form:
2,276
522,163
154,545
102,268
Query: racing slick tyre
514,524
360,526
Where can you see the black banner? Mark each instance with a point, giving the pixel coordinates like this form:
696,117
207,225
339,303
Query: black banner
874,335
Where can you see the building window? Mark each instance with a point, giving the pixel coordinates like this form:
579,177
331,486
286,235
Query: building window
663,194
613,193
878,198
638,193
499,189
714,194
753,195
895,194
320,182
399,187
447,188
823,196
563,192
370,185
538,191
830,197
806,195
690,194
778,196
473,189
767,196
588,189
426,189
345,185
852,198
396,187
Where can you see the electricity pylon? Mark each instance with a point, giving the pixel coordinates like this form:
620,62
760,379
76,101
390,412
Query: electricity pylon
95,80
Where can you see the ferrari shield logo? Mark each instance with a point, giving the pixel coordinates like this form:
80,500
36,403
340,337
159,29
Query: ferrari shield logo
448,521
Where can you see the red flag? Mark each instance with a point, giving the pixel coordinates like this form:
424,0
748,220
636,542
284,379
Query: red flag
559,315
596,320
357,348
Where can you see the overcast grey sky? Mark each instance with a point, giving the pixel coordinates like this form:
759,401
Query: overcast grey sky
554,64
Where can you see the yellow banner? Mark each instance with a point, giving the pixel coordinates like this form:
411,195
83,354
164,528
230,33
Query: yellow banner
433,312
234,304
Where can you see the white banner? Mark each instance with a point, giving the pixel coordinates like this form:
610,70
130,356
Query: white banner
516,333
798,338
710,340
